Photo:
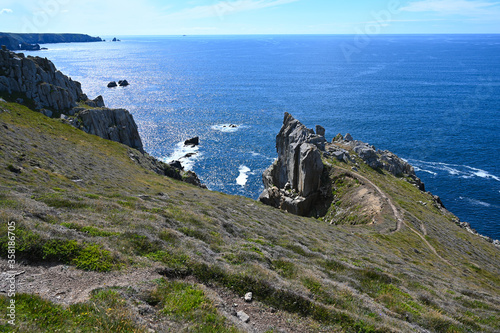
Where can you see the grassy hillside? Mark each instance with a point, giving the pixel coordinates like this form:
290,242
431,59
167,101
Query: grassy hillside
106,245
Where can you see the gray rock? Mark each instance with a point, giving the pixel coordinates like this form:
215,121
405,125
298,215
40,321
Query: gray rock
112,84
243,316
348,137
369,156
298,168
98,102
38,79
111,124
123,83
320,130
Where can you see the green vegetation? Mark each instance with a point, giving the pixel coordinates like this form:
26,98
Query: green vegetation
189,304
356,270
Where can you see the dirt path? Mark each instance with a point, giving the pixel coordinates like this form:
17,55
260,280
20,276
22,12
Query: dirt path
399,220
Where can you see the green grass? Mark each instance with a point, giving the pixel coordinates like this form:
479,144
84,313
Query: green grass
106,311
185,302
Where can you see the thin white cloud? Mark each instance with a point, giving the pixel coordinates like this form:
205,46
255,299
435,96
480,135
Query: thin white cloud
6,11
224,8
463,7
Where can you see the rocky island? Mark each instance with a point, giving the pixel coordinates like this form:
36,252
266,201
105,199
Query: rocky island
95,234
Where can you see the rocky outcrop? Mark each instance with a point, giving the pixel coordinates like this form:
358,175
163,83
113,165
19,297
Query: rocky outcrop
293,181
377,159
300,183
174,171
39,80
112,124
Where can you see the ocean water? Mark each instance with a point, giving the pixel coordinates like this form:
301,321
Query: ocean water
432,99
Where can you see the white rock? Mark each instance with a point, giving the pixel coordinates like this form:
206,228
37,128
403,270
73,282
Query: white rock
243,316
248,297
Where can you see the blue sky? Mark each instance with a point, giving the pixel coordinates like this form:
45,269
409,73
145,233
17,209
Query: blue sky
173,17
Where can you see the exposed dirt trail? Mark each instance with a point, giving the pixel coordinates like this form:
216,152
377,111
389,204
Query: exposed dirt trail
399,220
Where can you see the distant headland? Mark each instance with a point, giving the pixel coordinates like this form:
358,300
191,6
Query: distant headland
31,42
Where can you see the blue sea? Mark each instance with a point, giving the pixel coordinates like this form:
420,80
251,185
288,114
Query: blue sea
432,99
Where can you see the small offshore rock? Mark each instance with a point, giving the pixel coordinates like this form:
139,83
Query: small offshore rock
112,84
248,297
192,142
243,316
123,83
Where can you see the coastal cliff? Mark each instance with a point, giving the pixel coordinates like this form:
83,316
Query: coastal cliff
18,42
104,242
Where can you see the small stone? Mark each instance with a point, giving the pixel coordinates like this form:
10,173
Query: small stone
248,297
243,316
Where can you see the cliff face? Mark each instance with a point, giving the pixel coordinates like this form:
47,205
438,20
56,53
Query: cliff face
111,124
17,42
39,80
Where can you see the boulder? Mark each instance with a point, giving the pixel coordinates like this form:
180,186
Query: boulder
192,142
348,138
112,84
123,83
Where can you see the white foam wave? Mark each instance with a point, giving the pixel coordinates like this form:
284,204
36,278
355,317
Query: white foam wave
423,170
187,155
462,171
476,202
226,128
243,177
